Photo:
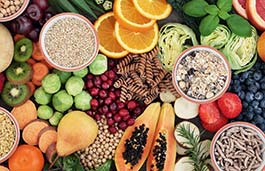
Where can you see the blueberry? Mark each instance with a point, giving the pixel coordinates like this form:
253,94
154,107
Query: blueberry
255,104
245,104
237,89
241,94
253,88
258,119
243,87
257,75
242,79
250,81
236,83
245,75
263,85
250,109
249,116
235,77
263,114
262,80
249,97
259,96
258,111
257,84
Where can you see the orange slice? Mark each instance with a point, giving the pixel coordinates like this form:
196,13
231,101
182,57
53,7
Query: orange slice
128,16
137,42
108,43
156,10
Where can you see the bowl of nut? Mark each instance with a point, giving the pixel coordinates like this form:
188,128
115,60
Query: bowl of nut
11,9
201,74
9,134
238,146
69,42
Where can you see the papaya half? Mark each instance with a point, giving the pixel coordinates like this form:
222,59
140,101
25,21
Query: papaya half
164,148
135,144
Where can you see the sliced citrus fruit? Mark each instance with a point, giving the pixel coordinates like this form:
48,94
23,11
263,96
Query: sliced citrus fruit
240,7
256,13
261,46
109,45
155,10
128,16
137,42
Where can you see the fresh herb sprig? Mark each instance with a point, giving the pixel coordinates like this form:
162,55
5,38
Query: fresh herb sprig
197,152
212,15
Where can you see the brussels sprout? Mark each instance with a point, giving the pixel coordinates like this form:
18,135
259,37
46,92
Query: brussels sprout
62,74
51,83
81,73
55,119
99,65
62,101
45,112
41,97
174,38
82,101
74,85
218,38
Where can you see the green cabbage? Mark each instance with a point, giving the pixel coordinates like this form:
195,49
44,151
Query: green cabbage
174,38
241,51
218,38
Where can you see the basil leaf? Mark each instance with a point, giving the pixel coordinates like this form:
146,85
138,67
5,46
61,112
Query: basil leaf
208,24
239,25
211,9
225,5
223,15
195,8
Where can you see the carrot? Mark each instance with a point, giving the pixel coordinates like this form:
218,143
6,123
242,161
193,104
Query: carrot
47,136
3,168
36,82
50,152
18,37
37,53
25,113
31,61
46,63
31,87
39,71
31,131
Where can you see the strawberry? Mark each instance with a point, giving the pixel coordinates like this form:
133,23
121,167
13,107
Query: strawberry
216,125
209,113
2,81
230,105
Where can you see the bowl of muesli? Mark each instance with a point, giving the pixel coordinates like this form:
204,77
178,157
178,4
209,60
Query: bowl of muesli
69,42
238,146
201,74
9,134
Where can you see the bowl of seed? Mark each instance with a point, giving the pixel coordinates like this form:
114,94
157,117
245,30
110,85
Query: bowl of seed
201,74
9,134
238,146
11,9
69,42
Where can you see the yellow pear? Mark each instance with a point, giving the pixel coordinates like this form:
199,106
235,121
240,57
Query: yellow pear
76,131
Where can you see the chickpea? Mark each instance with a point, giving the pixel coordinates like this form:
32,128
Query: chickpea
1,15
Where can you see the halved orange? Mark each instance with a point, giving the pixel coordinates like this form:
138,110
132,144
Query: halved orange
129,17
137,42
156,10
108,43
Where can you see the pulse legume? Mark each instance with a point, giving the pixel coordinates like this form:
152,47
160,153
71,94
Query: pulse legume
9,7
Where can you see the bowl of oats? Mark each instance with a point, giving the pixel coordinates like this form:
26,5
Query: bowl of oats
238,146
201,74
69,42
9,134
11,9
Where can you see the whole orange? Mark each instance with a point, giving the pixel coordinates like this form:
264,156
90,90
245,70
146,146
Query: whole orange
26,158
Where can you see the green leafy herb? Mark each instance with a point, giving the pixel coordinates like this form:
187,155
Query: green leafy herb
195,8
239,25
105,167
225,5
211,9
208,24
223,14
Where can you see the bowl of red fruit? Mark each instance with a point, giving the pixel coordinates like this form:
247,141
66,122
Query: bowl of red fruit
12,9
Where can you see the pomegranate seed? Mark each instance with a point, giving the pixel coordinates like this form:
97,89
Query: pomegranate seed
137,111
117,118
110,121
112,130
94,91
89,76
109,82
120,105
90,112
109,115
105,85
130,121
108,101
111,63
97,82
126,117
105,109
123,112
112,89
112,95
111,74
101,101
118,93
104,77
103,94
113,107
97,117
100,110
122,125
132,104
89,84
94,104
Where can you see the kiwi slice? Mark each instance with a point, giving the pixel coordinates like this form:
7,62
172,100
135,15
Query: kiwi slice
19,73
14,95
23,50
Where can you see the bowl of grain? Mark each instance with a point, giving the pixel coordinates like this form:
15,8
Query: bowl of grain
238,146
69,42
201,74
11,9
9,134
